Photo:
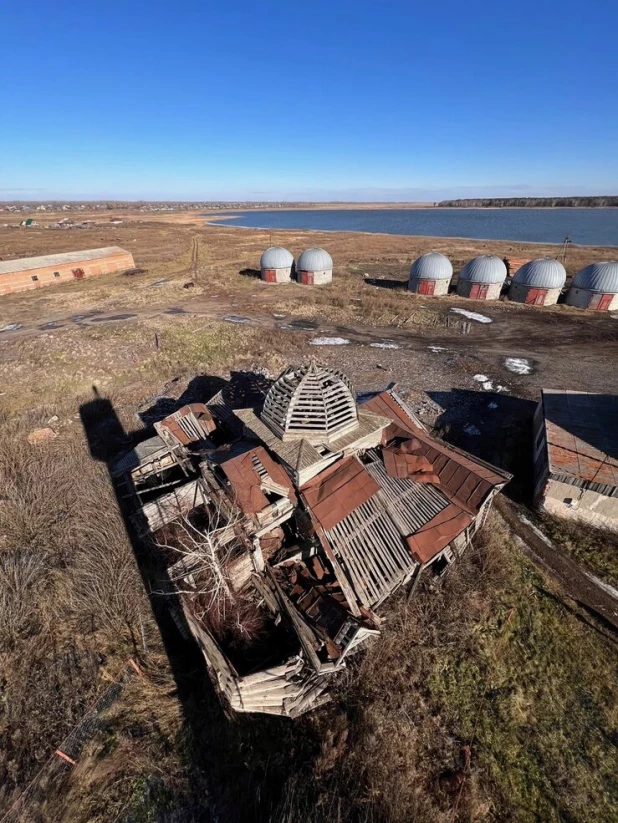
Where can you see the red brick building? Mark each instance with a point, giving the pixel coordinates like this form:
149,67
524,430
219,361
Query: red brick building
33,272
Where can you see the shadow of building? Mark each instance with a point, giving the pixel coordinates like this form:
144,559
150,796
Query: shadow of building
495,427
246,760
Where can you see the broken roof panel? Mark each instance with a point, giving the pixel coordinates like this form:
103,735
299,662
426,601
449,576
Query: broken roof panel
410,504
246,474
436,535
372,552
466,479
338,490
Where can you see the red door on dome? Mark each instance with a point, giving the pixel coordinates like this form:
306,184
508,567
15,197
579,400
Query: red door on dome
478,291
270,276
427,287
600,302
536,297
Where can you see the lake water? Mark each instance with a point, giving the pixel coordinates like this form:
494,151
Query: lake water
592,227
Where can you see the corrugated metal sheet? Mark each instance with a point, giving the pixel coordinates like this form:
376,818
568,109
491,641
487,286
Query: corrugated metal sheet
276,257
599,277
542,273
484,269
432,266
315,259
27,263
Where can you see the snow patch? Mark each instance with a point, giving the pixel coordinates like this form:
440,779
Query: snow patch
436,349
518,365
484,381
535,529
384,345
279,316
234,318
11,327
472,315
329,341
605,586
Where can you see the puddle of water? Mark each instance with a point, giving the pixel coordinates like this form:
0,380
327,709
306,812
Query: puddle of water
113,317
176,310
329,341
11,327
304,325
518,365
473,315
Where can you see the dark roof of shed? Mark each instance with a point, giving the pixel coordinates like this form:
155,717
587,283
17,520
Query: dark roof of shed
582,436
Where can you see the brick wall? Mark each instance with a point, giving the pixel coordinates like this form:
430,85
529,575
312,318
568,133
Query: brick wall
63,272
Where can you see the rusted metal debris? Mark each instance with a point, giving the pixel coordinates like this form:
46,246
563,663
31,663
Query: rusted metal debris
285,532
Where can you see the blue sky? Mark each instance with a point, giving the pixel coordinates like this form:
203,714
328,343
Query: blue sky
316,100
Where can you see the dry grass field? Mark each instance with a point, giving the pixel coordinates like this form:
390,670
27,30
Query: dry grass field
494,663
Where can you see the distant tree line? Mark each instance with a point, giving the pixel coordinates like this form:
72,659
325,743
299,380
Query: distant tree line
532,202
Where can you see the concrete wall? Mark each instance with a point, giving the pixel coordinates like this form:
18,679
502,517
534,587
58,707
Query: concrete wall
572,503
315,278
277,275
519,292
493,292
63,273
440,287
582,297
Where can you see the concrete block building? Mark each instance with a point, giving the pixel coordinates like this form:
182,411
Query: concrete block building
276,265
33,272
482,278
595,287
430,274
538,282
576,456
314,267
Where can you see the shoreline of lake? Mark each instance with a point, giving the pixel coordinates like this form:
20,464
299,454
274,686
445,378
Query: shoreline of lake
588,226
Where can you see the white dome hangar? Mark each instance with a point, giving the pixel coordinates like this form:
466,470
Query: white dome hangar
314,267
276,265
482,278
595,287
538,282
430,274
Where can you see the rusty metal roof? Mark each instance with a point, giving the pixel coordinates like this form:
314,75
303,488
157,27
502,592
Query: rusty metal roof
245,473
465,479
582,438
338,491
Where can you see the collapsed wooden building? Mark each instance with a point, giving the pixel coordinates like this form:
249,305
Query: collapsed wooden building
288,516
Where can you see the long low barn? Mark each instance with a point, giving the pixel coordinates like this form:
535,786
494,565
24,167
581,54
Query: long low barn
33,272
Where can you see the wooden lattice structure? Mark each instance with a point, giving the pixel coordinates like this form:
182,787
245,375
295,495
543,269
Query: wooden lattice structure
310,403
